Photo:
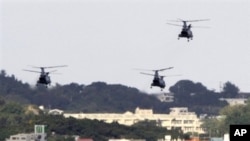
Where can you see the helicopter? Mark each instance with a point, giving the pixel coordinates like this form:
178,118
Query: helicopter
186,29
158,80
44,77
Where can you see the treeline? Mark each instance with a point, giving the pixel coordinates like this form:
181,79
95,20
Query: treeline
101,97
15,119
229,115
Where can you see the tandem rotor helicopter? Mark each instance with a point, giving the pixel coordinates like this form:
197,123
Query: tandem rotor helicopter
186,29
158,80
44,77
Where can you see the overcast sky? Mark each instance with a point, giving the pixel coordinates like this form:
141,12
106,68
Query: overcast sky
104,40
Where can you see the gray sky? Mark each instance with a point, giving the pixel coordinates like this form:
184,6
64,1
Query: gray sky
103,40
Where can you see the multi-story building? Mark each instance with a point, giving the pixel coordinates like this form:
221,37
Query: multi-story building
38,135
235,101
178,117
28,137
165,97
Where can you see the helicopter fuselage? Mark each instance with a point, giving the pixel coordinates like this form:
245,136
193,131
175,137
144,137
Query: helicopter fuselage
158,82
186,32
186,28
44,79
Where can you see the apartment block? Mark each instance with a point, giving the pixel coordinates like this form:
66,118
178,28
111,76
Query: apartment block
178,117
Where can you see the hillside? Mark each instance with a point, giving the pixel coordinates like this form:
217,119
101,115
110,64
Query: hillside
96,97
102,97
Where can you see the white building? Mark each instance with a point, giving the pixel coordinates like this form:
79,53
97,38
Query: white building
178,117
126,140
38,135
28,137
234,101
55,112
165,97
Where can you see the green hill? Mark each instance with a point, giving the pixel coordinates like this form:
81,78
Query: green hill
102,97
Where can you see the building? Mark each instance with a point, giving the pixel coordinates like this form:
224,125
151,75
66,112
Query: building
234,101
27,137
178,117
55,112
38,135
165,97
243,95
125,140
84,139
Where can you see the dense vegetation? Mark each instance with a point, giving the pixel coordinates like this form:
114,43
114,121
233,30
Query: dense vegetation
229,115
101,97
16,116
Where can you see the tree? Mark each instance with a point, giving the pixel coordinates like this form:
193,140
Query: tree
187,88
3,73
196,97
213,126
230,90
12,108
2,101
238,114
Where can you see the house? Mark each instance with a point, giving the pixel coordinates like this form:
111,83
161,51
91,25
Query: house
55,112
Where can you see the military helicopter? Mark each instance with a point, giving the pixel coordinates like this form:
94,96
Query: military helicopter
158,80
44,77
186,29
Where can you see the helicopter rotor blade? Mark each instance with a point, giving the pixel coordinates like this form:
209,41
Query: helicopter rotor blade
53,72
31,71
147,73
180,20
50,66
164,69
200,27
56,66
170,75
197,20
155,70
174,24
